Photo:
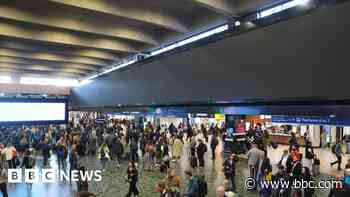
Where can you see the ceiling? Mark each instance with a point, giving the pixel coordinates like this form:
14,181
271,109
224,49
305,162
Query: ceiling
75,38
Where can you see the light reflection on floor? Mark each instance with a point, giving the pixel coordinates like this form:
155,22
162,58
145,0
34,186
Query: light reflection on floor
114,185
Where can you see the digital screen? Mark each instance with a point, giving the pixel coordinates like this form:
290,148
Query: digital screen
32,111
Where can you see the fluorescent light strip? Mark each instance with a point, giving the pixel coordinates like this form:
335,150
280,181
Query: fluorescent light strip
191,39
88,80
281,8
47,81
5,79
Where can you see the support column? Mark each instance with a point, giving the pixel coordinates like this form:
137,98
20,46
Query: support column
315,135
333,135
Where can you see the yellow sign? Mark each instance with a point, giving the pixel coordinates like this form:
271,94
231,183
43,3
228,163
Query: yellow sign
219,116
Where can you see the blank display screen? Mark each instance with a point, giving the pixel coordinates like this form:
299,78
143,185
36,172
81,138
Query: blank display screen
26,111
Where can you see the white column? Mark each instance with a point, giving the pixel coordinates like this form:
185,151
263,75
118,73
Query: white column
315,135
333,135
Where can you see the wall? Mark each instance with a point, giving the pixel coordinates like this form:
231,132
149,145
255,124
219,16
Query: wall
302,58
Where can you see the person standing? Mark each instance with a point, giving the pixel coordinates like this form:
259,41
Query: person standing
178,145
292,141
309,155
3,179
192,186
46,152
201,150
119,151
10,155
73,158
286,160
103,154
132,179
230,170
306,176
60,149
213,144
172,182
133,150
254,154
336,149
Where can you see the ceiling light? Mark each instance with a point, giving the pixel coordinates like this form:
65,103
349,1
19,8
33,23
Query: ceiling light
281,7
237,23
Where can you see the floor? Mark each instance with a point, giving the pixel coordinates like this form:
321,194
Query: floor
324,154
114,185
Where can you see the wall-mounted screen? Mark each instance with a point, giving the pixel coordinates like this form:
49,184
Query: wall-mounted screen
12,112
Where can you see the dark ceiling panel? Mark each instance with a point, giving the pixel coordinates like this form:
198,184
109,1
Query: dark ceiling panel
300,58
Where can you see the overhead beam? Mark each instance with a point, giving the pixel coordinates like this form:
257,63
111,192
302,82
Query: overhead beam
63,38
222,7
35,68
34,89
23,72
152,17
72,23
59,50
16,60
52,58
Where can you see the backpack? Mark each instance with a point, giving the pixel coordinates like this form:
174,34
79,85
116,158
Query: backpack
333,148
202,186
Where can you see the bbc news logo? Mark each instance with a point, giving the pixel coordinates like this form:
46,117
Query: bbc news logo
52,176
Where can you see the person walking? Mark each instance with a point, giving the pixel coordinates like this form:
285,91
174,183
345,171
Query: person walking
230,170
336,150
201,150
132,179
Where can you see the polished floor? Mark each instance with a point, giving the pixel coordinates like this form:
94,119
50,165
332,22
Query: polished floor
114,185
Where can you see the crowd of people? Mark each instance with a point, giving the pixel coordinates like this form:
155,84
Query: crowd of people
158,148
113,141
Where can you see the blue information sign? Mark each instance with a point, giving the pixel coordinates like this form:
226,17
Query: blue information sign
318,120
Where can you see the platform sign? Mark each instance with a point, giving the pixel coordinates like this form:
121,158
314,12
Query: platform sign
315,120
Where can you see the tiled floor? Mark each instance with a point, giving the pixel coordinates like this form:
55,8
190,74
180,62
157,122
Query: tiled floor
325,156
113,184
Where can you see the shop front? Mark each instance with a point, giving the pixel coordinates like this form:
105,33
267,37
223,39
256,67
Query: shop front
207,120
321,131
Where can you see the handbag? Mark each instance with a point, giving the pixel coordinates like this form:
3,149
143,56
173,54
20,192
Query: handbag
17,162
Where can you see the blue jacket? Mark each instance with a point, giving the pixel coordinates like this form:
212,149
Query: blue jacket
192,187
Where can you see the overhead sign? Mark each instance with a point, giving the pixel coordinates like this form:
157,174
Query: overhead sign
219,116
317,120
